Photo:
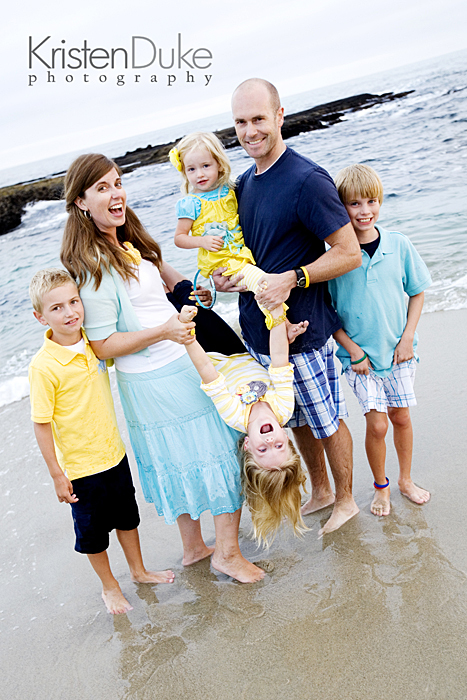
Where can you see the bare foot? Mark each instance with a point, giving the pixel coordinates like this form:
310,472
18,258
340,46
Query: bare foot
381,504
414,493
154,577
187,314
197,555
343,511
115,601
295,329
314,504
238,568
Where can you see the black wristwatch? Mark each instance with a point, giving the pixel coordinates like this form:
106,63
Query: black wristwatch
301,278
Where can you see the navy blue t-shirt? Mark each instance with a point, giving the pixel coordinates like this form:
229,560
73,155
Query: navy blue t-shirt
286,213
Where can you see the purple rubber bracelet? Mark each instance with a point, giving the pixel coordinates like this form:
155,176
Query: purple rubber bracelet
380,486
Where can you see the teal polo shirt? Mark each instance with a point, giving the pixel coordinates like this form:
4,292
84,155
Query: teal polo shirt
371,303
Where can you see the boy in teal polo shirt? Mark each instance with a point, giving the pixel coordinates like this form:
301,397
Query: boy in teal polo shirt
378,339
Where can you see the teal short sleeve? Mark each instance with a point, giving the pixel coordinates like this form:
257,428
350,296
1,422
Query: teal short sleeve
188,208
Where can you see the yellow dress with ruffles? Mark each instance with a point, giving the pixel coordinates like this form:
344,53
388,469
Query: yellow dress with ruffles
234,255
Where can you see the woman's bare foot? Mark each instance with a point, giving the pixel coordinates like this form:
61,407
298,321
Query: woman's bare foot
166,576
343,511
187,314
238,568
115,601
295,329
413,493
197,555
314,504
381,504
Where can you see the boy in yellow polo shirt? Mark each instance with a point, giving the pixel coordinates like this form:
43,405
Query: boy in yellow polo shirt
76,429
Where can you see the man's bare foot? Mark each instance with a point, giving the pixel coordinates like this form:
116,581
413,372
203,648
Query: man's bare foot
381,504
115,601
343,511
314,504
414,493
238,568
166,576
197,555
187,314
295,329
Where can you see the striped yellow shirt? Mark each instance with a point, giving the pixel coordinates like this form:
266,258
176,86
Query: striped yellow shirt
237,370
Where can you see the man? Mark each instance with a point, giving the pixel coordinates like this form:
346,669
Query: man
289,209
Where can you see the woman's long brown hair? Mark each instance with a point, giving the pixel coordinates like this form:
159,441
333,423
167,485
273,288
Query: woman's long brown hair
86,250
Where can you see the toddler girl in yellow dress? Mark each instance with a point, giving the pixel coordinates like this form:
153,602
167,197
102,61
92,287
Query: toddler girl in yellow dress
208,212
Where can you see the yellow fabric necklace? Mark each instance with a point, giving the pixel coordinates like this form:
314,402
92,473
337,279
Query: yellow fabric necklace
132,253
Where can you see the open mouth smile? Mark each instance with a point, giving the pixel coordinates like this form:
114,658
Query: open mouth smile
266,428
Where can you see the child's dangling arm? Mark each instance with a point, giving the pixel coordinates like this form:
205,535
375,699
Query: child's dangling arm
182,239
198,356
278,341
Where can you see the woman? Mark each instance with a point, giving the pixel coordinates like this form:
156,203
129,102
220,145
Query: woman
186,455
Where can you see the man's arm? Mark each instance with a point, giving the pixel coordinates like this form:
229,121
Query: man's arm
63,486
343,255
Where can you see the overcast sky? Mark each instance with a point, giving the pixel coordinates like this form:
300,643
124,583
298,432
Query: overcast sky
298,45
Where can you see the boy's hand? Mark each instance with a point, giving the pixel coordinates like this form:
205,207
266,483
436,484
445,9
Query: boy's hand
403,351
64,489
362,367
212,243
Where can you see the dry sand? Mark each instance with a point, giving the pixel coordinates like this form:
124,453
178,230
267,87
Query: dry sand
377,609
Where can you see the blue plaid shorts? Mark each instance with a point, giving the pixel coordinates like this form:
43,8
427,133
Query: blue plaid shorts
378,393
319,399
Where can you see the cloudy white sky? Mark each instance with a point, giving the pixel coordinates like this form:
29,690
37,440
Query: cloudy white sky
298,45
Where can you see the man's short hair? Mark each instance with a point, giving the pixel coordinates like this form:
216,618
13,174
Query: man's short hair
272,90
44,281
358,181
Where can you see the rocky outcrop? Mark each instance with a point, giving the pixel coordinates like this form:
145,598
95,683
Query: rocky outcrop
14,198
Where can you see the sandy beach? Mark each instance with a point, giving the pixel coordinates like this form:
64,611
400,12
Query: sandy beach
376,609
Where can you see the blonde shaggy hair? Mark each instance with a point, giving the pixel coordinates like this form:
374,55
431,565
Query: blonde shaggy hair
273,495
44,281
204,139
85,249
358,180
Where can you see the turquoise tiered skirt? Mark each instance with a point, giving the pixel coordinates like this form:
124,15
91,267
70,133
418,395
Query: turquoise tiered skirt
187,456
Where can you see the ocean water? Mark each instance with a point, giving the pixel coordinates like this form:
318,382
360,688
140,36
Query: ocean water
418,145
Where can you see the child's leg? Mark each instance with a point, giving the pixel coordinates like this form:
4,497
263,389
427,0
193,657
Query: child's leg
375,446
403,442
227,557
129,541
194,547
251,276
114,600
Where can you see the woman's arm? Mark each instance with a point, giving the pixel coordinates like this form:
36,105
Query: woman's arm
119,344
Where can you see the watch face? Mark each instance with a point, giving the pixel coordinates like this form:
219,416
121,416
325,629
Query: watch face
301,279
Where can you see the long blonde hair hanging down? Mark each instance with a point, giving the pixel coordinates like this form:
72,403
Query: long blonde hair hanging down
85,250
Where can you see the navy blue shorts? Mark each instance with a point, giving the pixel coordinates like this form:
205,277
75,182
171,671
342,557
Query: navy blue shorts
106,502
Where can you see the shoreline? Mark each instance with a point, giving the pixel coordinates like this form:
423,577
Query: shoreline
318,625
13,198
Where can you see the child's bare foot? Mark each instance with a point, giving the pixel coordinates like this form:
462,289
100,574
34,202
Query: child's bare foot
315,503
238,568
381,504
343,511
187,314
295,329
153,577
195,555
115,601
413,493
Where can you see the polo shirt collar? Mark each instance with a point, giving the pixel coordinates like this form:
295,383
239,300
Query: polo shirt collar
62,354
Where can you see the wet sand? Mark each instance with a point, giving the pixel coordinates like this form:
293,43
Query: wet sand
377,609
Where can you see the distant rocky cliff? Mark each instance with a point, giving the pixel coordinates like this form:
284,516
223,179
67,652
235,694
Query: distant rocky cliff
14,198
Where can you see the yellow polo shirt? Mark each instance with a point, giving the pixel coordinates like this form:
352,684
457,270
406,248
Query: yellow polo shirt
72,391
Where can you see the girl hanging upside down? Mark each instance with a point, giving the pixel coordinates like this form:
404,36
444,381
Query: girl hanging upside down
259,402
